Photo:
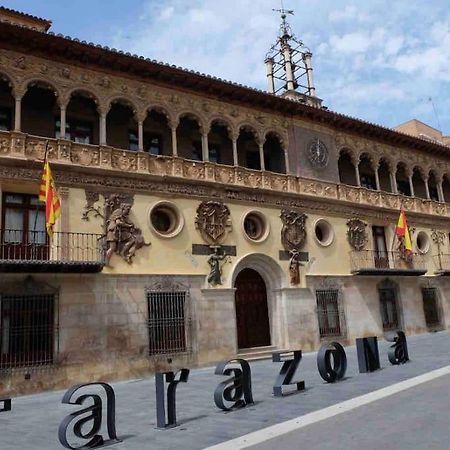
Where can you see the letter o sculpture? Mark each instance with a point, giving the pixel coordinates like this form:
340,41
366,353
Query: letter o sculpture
332,362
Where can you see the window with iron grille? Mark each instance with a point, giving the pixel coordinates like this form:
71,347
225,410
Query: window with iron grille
27,330
388,308
328,312
430,306
168,322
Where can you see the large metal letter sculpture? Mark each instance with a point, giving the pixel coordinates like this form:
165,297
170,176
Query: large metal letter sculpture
95,439
171,397
332,362
6,404
287,372
237,389
368,356
398,353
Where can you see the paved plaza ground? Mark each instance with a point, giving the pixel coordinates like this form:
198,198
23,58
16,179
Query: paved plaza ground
417,418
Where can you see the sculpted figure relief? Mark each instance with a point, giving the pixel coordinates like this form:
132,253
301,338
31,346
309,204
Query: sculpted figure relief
122,237
357,234
293,237
214,260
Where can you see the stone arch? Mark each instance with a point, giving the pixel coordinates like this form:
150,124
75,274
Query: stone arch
220,140
434,179
216,118
9,78
157,125
36,79
346,167
402,173
7,103
279,135
385,166
193,115
162,109
82,90
123,100
269,269
367,170
189,132
419,178
248,142
275,158
253,129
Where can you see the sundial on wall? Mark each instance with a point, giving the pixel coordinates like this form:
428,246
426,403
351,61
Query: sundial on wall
317,153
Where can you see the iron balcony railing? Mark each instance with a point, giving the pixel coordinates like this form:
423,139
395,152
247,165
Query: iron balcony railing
373,261
34,251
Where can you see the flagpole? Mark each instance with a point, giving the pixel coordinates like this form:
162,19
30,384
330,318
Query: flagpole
36,213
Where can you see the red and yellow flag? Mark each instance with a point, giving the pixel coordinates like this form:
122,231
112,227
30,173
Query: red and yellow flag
48,194
402,231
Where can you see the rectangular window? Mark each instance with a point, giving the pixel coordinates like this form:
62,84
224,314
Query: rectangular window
5,119
76,131
23,235
430,306
388,308
328,312
27,330
168,322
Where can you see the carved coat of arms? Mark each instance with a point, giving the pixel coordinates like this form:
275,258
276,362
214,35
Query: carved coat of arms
357,234
213,219
293,237
293,233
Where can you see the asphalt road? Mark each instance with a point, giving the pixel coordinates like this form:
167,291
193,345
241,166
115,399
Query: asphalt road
418,418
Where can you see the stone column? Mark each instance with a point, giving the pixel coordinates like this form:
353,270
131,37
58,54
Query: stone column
18,113
205,148
411,185
173,128
103,128
427,188
140,135
261,156
440,189
377,177
62,120
286,161
393,178
358,180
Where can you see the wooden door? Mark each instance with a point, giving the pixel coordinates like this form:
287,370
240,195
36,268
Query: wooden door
252,315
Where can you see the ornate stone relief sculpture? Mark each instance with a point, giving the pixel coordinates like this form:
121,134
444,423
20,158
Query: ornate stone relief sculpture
213,221
122,237
293,237
357,234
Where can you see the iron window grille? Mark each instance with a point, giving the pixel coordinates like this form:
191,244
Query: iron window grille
389,308
329,313
28,330
169,322
430,307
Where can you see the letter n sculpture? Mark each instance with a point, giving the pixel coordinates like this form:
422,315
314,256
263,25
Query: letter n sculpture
236,390
92,434
171,379
368,356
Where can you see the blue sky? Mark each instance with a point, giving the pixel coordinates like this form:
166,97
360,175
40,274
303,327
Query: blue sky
378,60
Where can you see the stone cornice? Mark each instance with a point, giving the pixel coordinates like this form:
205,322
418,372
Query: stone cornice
106,169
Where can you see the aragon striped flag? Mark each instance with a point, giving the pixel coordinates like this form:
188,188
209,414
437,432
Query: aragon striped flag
48,194
402,232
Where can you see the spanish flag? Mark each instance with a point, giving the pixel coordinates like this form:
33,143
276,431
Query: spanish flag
48,194
402,232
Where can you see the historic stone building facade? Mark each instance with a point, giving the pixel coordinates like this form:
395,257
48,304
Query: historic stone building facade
200,219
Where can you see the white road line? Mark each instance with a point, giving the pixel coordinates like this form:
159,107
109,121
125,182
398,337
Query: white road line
273,431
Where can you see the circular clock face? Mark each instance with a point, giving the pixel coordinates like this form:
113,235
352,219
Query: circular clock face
318,153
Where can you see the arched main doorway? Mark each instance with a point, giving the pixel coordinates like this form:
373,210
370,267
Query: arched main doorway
252,315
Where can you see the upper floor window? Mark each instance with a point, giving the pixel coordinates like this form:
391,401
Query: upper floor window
5,119
253,160
76,131
403,187
368,181
214,153
197,154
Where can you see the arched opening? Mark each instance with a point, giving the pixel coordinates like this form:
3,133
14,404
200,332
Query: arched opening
384,175
121,126
157,133
366,173
220,146
189,138
248,149
82,119
40,110
402,180
446,188
252,315
6,105
346,169
274,156
433,187
418,184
